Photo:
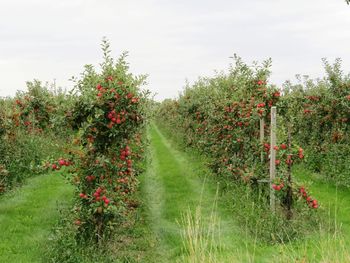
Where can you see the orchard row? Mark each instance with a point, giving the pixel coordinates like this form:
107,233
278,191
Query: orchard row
227,117
97,132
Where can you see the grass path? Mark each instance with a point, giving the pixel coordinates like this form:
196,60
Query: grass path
175,185
27,215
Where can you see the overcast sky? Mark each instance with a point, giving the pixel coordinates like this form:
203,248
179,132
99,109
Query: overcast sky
170,40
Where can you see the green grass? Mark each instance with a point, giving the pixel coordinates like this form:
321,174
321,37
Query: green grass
180,193
176,186
27,215
183,218
334,199
329,244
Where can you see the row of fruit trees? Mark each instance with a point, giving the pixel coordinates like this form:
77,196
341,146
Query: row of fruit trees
228,117
98,130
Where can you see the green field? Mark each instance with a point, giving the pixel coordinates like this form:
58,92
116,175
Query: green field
189,220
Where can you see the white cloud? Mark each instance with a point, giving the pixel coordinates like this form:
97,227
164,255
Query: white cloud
169,40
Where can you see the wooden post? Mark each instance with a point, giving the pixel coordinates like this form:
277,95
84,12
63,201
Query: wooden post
272,157
262,129
289,197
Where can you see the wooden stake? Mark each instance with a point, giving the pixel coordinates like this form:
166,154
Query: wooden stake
273,157
262,129
289,197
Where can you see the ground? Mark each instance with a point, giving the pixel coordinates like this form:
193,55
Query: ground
188,218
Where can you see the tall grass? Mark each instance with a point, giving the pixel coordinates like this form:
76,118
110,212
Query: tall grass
202,244
200,237
328,245
322,248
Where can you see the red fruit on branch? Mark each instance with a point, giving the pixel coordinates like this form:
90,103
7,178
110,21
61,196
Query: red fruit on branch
278,162
283,146
90,178
99,190
277,187
300,153
127,150
134,100
277,94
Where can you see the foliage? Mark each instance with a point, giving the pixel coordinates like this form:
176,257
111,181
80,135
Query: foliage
110,113
321,117
26,144
221,117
